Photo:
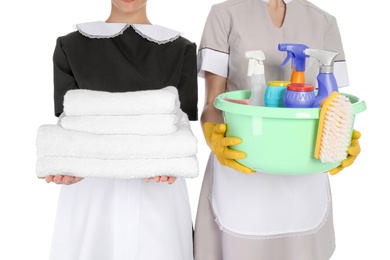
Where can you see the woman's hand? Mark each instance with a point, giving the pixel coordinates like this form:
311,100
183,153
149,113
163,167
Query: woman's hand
62,179
353,151
220,146
168,179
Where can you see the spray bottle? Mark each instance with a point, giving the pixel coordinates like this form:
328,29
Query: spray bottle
298,60
325,79
256,72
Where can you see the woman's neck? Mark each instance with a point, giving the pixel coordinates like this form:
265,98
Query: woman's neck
277,12
138,17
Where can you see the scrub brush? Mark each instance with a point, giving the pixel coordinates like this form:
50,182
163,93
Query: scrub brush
334,128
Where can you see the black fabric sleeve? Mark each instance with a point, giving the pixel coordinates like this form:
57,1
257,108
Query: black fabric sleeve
63,77
188,84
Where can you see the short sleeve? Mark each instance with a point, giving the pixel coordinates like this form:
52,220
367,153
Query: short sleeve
213,52
216,33
188,84
63,77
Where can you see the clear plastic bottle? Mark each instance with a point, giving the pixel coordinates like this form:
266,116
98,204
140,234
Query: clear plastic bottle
258,90
257,78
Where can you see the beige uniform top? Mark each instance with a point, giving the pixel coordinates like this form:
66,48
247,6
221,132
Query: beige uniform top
236,26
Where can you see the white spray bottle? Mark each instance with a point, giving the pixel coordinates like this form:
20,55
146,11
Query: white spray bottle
326,80
256,72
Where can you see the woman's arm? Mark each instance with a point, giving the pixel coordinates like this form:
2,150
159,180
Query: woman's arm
215,85
214,128
188,95
63,81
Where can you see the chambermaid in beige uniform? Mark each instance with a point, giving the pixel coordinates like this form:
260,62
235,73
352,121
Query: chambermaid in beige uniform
264,216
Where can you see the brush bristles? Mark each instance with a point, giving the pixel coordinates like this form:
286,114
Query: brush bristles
337,129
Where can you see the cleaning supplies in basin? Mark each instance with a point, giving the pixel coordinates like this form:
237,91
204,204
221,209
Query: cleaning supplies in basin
256,74
289,135
325,79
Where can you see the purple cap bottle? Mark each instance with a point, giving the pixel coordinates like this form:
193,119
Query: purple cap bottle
299,95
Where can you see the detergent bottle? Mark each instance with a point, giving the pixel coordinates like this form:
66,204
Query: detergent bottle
299,95
256,72
298,60
274,93
325,79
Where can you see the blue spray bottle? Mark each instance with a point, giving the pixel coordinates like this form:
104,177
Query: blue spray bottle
298,60
325,79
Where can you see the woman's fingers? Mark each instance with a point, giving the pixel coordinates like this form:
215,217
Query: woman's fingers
164,178
62,179
171,180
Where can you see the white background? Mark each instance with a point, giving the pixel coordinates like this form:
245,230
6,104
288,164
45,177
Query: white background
28,32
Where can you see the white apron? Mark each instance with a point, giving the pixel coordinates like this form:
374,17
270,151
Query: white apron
263,205
101,219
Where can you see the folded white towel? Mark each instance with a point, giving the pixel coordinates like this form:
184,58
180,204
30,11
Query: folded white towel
148,124
126,169
53,140
80,102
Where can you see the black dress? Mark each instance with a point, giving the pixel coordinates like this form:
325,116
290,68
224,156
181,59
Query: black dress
126,61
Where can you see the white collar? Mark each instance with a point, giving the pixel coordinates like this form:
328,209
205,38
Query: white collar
101,30
285,1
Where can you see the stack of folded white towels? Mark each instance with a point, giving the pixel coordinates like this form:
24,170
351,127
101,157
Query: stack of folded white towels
119,135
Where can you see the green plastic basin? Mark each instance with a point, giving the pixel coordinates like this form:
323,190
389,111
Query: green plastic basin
276,140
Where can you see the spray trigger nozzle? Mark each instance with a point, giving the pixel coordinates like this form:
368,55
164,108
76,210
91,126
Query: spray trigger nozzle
295,52
325,57
255,64
289,56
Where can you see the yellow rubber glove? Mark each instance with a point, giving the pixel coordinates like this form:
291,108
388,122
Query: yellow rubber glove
219,145
353,152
